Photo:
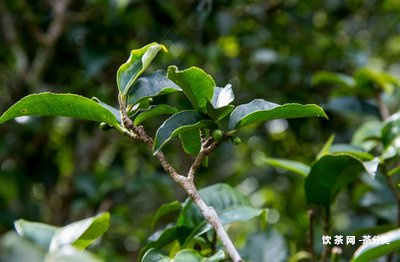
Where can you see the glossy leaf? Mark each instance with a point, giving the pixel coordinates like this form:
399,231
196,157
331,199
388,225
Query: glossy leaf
391,129
179,123
81,233
351,150
49,104
166,209
151,86
329,175
367,135
15,249
260,110
369,252
219,106
221,197
332,78
137,63
38,233
290,165
161,239
197,85
154,111
191,141
152,255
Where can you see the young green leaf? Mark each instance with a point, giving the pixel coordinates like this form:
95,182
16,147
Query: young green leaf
329,175
368,79
191,141
290,165
156,84
219,106
197,85
260,110
179,123
371,251
161,239
326,77
153,111
49,104
38,233
351,150
137,63
326,147
81,233
165,209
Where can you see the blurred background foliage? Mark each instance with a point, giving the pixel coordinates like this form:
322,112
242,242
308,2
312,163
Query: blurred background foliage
57,170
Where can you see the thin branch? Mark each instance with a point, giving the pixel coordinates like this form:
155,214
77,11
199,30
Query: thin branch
327,232
310,237
138,133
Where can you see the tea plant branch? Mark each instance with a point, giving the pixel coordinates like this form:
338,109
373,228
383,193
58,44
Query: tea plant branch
327,232
186,182
310,235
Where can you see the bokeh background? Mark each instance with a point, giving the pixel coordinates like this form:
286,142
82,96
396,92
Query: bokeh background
57,170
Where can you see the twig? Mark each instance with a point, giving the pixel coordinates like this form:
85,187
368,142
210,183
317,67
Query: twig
310,236
327,232
187,183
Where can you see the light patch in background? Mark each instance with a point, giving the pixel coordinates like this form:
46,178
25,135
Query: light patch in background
23,119
276,126
273,216
248,186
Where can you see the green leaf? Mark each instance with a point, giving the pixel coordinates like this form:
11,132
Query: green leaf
191,142
329,175
137,63
260,110
290,165
391,129
166,209
187,255
38,233
49,104
351,150
222,96
163,238
326,77
221,197
326,147
179,123
369,252
197,85
153,111
229,216
367,135
113,110
219,113
368,79
15,249
220,255
152,255
156,84
82,233
69,253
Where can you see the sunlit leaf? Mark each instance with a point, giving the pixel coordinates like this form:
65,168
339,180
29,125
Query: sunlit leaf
137,63
197,85
351,150
38,233
179,123
332,78
49,104
369,252
260,110
81,233
290,165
